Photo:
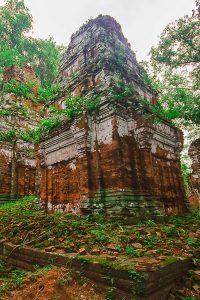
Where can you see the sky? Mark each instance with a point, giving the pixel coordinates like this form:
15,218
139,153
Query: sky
142,21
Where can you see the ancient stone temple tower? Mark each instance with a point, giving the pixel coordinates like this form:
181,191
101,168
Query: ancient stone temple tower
117,158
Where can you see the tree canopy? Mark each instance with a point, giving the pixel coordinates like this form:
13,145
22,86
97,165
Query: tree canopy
18,48
175,65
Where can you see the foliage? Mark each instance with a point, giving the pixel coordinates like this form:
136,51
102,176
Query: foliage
12,115
74,106
99,235
151,241
13,278
147,78
21,89
66,279
15,21
175,64
23,215
44,57
151,223
132,252
185,172
122,92
169,260
48,92
18,49
18,277
170,231
193,242
120,57
8,136
2,266
139,278
178,43
174,72
177,101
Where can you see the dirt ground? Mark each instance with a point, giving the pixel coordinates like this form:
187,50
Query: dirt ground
52,286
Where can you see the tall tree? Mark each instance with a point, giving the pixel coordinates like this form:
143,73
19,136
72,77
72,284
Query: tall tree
176,70
17,48
44,57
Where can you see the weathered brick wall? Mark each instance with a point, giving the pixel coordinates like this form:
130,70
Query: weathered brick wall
108,165
194,153
25,181
4,175
24,177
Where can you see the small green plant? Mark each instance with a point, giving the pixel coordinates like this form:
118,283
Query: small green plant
151,241
68,247
125,238
2,266
62,224
169,260
186,171
75,224
110,293
120,57
170,231
41,271
99,235
151,223
98,218
177,221
19,88
132,252
138,235
119,248
139,278
75,105
192,242
18,277
66,279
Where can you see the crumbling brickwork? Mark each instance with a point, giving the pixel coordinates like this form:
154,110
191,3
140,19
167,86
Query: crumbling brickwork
117,159
23,178
194,153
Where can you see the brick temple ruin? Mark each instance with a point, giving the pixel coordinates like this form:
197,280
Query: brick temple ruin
116,159
18,181
194,153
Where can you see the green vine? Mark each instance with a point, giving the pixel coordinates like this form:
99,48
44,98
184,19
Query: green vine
139,278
